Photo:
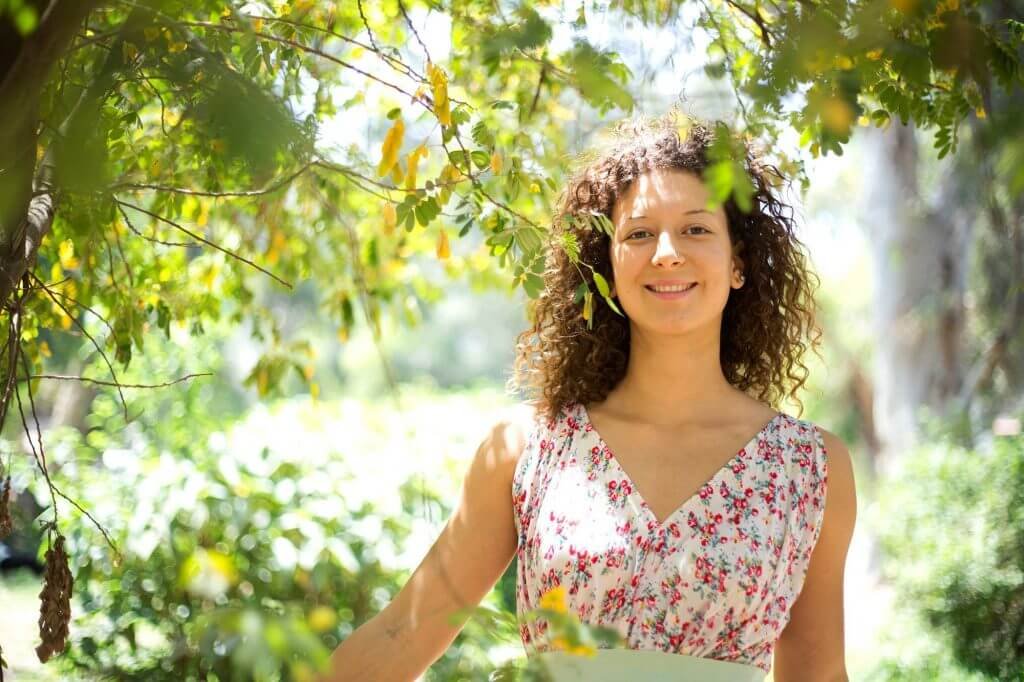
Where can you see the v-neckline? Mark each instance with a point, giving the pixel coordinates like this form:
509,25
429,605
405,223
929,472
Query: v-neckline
634,491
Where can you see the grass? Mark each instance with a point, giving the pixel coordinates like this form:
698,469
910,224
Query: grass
19,628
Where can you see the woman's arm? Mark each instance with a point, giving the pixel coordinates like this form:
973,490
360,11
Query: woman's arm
810,648
471,554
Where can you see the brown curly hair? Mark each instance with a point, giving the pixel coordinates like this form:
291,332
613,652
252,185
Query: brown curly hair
559,360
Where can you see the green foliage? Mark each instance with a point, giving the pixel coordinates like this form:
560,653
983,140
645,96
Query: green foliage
238,560
952,526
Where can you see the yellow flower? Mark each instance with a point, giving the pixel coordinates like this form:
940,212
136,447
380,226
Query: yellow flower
554,599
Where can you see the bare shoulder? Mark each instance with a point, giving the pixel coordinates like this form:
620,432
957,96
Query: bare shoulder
508,435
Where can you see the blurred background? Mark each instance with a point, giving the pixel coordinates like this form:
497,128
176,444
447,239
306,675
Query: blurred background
265,509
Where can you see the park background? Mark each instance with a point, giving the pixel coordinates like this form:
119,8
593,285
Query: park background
266,508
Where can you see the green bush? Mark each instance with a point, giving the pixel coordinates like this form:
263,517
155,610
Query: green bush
238,562
951,524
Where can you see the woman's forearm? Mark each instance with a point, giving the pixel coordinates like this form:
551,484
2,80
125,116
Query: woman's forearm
376,651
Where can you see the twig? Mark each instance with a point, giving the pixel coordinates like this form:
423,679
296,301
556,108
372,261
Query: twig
401,6
311,50
204,241
276,185
113,383
78,324
406,70
78,303
134,229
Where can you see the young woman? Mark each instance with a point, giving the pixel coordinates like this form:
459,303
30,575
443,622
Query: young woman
652,485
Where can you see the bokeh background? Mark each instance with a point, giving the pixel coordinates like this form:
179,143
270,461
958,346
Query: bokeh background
264,510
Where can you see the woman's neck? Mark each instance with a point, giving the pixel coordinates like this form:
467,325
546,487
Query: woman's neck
673,380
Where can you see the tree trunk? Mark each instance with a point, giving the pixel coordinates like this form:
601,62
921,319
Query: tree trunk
921,243
27,202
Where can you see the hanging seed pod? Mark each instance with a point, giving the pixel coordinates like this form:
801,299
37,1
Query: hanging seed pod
55,610
6,522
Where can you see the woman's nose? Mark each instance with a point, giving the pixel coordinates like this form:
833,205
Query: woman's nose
666,252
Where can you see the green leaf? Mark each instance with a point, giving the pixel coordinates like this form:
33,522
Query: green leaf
481,158
533,285
25,19
602,284
611,304
581,291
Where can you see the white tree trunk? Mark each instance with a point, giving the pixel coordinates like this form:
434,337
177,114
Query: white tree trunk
920,231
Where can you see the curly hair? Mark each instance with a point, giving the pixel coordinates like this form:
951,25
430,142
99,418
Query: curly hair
560,359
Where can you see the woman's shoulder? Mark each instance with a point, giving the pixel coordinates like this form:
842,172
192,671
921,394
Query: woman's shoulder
511,431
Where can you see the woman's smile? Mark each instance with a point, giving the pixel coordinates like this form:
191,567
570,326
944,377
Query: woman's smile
672,295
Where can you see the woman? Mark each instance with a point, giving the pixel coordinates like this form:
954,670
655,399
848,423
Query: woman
653,485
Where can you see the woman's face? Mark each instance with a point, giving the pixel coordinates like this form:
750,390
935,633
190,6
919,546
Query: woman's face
664,235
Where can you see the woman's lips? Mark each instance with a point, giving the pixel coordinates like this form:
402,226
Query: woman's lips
672,295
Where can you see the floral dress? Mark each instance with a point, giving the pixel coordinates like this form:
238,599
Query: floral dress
716,579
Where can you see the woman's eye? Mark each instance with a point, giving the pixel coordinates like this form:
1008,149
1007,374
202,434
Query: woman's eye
645,232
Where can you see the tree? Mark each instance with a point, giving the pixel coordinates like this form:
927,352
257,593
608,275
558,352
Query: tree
157,156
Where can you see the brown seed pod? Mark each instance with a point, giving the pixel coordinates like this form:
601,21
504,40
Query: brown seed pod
55,610
6,522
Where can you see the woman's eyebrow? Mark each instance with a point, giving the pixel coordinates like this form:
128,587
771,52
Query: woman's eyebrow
691,211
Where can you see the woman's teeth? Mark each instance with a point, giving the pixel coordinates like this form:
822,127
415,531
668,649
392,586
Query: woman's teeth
666,290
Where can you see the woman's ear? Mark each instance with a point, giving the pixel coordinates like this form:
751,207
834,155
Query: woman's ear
738,266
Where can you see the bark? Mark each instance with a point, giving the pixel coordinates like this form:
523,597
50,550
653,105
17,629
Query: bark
27,200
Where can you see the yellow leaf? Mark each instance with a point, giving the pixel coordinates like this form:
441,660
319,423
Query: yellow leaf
439,86
837,115
165,274
177,47
262,381
44,349
67,255
903,6
843,62
210,278
534,188
129,51
390,217
412,163
257,25
443,248
307,371
314,390
496,163
151,33
397,173
874,55
588,305
154,168
980,112
343,334
389,150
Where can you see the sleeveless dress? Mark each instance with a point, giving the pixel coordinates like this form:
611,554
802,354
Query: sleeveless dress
712,584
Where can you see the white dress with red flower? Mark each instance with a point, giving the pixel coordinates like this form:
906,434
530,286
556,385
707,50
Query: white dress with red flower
716,579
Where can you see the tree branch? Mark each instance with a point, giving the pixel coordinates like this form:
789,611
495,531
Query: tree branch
199,238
